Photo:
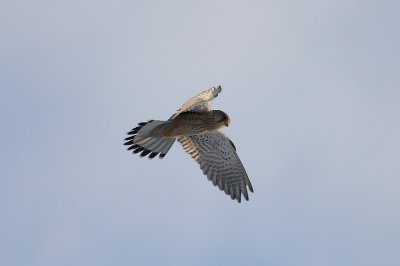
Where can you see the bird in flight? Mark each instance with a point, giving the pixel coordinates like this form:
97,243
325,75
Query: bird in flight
195,125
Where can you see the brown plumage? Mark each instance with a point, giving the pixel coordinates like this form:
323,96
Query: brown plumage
193,123
196,126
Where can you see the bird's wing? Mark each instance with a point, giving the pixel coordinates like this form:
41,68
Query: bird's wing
218,159
200,102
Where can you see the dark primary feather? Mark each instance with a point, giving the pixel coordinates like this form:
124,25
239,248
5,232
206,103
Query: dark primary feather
217,157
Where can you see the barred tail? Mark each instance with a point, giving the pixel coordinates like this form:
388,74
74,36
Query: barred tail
146,138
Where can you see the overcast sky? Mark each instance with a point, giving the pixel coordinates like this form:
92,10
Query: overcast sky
313,92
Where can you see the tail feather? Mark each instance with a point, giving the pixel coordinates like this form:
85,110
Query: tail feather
166,146
145,138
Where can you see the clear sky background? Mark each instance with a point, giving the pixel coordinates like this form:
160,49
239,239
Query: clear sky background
313,92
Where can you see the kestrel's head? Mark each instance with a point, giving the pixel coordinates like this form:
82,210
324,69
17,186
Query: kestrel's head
221,118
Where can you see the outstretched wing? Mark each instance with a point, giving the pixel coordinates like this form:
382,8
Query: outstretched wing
218,159
200,102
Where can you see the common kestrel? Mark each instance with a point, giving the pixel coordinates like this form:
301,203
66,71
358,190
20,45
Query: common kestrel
196,126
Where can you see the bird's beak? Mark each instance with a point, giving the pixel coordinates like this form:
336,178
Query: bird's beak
227,121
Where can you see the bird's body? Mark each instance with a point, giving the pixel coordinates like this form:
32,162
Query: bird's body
188,124
196,126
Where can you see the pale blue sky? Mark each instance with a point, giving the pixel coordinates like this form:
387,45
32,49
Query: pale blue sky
313,92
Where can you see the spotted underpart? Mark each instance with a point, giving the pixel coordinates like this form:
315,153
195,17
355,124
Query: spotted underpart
137,148
196,126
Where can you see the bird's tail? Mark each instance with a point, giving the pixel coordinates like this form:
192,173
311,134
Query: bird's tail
147,138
